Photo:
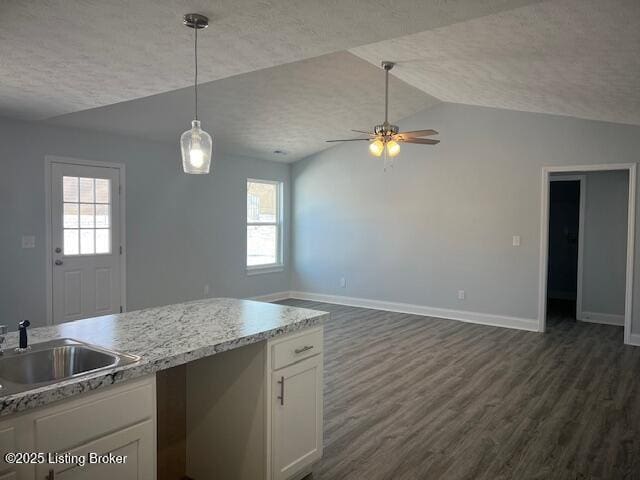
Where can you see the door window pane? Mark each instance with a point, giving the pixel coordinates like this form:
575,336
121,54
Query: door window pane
103,240
102,190
102,216
70,215
262,245
87,218
86,190
70,189
86,241
71,242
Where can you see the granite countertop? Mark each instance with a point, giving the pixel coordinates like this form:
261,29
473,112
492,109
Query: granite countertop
163,337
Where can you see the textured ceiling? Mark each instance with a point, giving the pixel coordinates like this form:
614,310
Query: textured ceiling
578,58
293,107
279,77
61,56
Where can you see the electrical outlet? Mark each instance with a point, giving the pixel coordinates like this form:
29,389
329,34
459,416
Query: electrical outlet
516,240
206,290
343,282
461,294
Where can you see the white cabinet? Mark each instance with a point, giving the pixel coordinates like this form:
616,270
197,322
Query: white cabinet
296,417
134,445
295,403
120,420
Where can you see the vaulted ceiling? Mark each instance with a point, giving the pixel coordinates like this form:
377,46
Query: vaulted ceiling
287,75
578,58
292,108
62,56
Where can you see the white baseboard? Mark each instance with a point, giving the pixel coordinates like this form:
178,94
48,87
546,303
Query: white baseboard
272,297
634,339
604,318
528,324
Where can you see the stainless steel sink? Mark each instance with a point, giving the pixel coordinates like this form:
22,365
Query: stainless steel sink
49,362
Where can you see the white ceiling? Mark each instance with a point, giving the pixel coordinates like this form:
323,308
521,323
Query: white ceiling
279,75
578,58
294,107
61,56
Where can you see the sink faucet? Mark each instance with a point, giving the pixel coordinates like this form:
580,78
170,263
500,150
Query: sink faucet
3,332
22,329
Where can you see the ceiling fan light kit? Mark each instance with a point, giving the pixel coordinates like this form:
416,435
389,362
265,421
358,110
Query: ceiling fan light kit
196,144
386,138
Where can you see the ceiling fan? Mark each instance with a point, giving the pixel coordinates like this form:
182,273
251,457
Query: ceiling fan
386,138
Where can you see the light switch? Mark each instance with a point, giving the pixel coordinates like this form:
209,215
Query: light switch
516,240
28,241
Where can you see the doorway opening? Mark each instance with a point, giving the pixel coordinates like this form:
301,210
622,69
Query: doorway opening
566,228
559,234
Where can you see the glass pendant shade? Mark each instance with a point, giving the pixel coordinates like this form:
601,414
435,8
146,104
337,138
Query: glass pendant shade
196,149
376,148
393,148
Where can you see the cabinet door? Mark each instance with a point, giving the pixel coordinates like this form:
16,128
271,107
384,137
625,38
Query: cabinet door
296,417
135,443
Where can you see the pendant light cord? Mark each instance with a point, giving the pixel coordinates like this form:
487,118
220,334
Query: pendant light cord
196,71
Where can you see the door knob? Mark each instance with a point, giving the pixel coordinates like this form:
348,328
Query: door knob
58,250
58,262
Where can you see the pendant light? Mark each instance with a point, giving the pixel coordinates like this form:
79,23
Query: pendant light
195,143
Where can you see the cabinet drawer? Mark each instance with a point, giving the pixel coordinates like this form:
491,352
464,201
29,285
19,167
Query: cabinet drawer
297,347
79,422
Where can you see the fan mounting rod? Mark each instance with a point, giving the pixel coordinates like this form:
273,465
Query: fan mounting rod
387,66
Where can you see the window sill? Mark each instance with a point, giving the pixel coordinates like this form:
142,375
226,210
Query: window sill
260,269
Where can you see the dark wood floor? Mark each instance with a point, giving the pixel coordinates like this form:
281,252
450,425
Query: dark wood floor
409,397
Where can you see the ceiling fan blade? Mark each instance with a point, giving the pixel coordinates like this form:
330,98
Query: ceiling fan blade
418,133
362,131
422,141
350,140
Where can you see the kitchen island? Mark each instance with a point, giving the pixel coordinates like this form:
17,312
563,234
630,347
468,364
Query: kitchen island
204,368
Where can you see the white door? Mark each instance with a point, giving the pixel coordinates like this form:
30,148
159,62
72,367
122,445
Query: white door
297,417
85,233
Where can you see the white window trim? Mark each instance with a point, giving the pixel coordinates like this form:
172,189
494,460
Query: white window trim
260,269
279,265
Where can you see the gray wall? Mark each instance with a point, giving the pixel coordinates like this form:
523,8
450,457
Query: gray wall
182,231
443,219
605,242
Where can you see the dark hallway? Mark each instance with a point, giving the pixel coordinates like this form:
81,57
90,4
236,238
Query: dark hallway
564,223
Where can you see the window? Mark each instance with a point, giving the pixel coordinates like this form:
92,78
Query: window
86,215
264,225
